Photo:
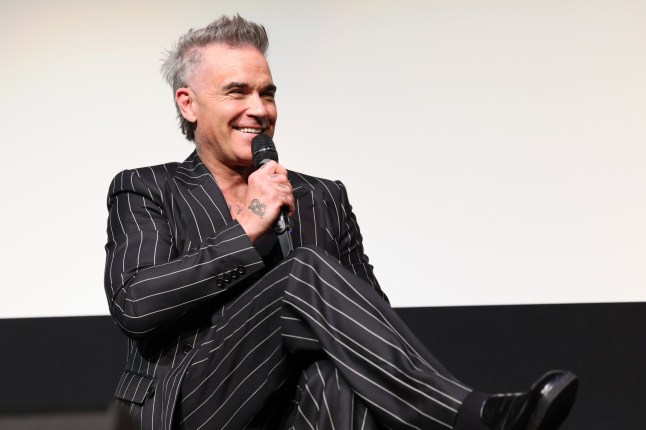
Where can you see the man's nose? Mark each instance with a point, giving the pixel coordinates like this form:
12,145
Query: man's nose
256,106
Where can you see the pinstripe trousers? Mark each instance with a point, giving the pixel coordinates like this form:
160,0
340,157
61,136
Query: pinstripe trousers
362,365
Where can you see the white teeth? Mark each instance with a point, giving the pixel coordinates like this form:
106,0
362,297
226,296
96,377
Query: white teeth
250,130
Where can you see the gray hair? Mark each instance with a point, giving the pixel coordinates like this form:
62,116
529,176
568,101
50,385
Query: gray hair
182,60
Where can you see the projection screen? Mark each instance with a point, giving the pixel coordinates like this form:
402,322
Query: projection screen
493,151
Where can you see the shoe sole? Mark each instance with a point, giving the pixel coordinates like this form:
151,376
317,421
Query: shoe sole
554,406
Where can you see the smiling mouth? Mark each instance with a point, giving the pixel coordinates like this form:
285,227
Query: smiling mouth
250,130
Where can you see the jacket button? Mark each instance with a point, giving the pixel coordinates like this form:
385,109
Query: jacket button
227,278
219,281
151,392
241,270
233,273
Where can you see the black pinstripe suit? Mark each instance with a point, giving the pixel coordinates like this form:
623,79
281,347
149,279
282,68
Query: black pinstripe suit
221,335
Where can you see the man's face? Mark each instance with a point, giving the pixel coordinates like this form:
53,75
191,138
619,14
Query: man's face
232,99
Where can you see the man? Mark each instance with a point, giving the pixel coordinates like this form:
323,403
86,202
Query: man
226,333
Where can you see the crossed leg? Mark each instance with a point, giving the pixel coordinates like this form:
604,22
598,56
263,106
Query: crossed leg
310,306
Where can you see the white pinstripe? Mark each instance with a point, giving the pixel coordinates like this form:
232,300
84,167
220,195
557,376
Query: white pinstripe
206,378
376,366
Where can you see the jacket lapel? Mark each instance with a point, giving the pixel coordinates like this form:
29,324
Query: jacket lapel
308,222
203,207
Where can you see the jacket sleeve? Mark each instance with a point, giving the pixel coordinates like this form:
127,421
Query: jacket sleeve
149,283
350,242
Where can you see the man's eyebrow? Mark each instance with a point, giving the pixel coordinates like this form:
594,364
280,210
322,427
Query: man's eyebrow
269,88
233,85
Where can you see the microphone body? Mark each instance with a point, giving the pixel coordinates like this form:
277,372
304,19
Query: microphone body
263,150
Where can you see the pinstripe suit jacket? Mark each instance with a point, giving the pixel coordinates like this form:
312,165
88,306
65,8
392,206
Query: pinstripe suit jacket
175,256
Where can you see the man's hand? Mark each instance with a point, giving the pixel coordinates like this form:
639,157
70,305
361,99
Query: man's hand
267,191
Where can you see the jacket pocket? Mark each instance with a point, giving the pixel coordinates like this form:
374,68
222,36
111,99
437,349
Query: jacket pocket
134,387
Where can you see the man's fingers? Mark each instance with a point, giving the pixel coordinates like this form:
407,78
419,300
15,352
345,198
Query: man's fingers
271,187
273,167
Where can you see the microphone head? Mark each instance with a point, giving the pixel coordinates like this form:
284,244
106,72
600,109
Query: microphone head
263,148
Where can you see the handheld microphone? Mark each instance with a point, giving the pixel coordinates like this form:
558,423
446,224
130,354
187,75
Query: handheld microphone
263,150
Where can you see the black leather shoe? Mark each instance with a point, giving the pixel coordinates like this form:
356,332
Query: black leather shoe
543,407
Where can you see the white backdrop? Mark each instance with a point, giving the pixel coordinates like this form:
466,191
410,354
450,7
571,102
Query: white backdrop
501,143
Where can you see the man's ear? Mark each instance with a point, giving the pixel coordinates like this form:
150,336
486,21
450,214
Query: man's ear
184,98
